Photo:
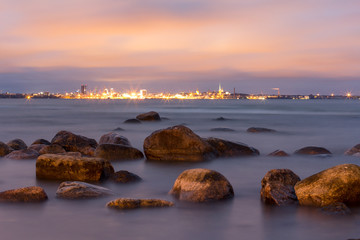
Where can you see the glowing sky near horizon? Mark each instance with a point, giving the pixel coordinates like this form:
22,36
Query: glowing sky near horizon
167,41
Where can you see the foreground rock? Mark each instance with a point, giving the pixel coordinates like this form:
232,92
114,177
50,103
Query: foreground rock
201,185
41,141
149,116
17,144
222,130
27,194
132,121
65,167
226,148
278,153
177,143
311,150
79,190
125,177
52,149
277,187
75,143
127,203
118,152
4,149
114,138
23,154
337,184
354,151
260,130
336,209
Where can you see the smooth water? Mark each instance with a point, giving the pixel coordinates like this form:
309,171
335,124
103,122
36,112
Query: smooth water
332,124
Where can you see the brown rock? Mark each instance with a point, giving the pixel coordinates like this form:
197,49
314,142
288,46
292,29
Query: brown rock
127,203
149,116
4,149
27,194
311,150
52,149
36,147
118,152
132,121
125,177
336,209
201,185
260,130
354,151
17,144
23,154
41,141
80,190
231,149
277,187
71,154
114,138
278,153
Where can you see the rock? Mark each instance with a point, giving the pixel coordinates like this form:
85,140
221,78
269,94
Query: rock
127,203
4,149
222,130
72,154
149,116
260,130
201,185
17,144
37,147
125,177
27,194
114,138
278,153
132,121
118,152
177,143
277,187
231,149
41,141
52,149
337,184
75,143
76,190
311,150
221,119
336,209
119,129
23,154
354,151
71,168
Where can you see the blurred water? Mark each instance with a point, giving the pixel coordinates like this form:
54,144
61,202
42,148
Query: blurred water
330,124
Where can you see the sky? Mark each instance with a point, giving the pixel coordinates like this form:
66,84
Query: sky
301,47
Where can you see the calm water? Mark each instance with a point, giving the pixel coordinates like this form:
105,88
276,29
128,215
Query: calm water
330,124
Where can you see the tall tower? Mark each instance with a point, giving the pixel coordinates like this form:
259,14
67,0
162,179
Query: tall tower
83,89
220,89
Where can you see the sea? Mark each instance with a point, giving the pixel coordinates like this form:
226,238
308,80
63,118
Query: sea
333,124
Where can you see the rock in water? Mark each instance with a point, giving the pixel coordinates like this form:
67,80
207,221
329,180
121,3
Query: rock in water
278,153
336,209
354,151
27,194
222,130
260,130
17,144
76,190
41,141
149,116
37,147
127,203
132,121
201,185
52,149
114,138
23,154
177,143
337,184
118,152
311,150
75,143
231,149
72,168
277,187
4,149
125,177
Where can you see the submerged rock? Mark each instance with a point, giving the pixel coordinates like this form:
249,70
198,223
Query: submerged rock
231,149
76,190
354,151
336,209
222,130
132,121
41,141
27,194
4,149
125,177
277,187
221,119
118,129
127,203
278,153
114,138
149,116
52,149
202,185
17,144
260,130
23,154
118,152
311,150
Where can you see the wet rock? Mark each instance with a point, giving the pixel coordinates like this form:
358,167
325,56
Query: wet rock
177,143
354,151
52,149
231,149
260,130
311,150
41,141
23,154
75,143
149,116
71,168
336,209
278,153
127,203
277,187
114,138
221,119
27,194
79,190
118,152
132,121
222,130
119,129
125,177
17,144
4,149
37,147
337,184
201,185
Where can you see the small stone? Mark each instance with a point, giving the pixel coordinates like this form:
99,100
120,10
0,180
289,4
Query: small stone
260,130
27,194
221,119
23,154
132,121
278,153
127,203
119,129
17,144
149,116
79,190
125,177
354,151
222,130
311,150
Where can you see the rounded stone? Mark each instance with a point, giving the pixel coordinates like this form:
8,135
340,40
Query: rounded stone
226,148
312,150
23,154
260,130
41,141
17,144
149,116
80,190
114,138
278,153
125,177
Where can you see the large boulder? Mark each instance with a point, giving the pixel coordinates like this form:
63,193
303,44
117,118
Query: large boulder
114,138
17,144
75,143
354,151
177,143
52,149
201,185
127,203
231,149
72,168
260,130
277,187
118,152
41,141
23,154
278,153
149,116
123,176
76,190
4,149
311,150
337,184
27,194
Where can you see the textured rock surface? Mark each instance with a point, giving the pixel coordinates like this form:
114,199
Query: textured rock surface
52,149
149,116
278,153
336,209
354,151
27,194
37,147
260,130
177,143
311,150
127,203
4,149
17,144
226,148
118,152
277,187
132,121
76,190
125,177
65,167
23,154
41,141
114,138
201,185
337,184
